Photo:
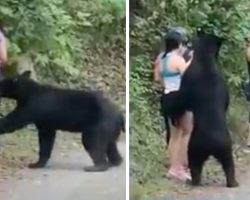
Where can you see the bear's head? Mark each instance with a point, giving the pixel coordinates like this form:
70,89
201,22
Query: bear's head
10,87
209,37
207,44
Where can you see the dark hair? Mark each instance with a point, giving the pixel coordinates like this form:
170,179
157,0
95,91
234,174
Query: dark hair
172,41
2,28
180,30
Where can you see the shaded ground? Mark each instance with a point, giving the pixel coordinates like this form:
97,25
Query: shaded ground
218,192
64,177
213,186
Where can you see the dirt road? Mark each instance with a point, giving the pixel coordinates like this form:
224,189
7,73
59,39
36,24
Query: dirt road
64,179
216,192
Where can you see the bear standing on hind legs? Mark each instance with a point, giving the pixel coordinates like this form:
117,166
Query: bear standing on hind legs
204,92
51,109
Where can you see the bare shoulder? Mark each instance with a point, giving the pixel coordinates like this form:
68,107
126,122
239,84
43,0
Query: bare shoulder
178,59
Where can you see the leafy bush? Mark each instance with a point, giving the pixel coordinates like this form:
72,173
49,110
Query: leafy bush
146,147
79,42
42,29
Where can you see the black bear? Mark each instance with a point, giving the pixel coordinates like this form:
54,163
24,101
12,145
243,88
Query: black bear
203,91
50,109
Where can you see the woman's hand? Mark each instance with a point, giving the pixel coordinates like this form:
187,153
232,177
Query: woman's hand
191,54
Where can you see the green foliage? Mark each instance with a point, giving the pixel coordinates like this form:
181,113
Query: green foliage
229,19
144,135
42,29
101,21
80,43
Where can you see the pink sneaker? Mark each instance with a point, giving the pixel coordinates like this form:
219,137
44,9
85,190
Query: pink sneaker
187,170
180,174
188,175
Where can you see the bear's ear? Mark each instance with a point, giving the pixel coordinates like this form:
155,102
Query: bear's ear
220,41
200,31
26,74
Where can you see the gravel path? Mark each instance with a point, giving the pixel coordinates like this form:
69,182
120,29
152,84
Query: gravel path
64,179
218,192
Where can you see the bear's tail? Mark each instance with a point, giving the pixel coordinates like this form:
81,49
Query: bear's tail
122,123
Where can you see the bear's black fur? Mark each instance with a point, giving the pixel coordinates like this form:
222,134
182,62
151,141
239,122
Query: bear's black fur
203,91
51,109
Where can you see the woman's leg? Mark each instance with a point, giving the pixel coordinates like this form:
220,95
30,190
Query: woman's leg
187,127
175,140
177,168
173,148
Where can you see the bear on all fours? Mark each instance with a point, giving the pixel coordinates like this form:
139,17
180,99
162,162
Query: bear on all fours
50,109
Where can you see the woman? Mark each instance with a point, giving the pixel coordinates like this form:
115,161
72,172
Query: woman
3,54
169,67
247,86
3,51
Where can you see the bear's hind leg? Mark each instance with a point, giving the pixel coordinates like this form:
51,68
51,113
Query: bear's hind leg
226,160
46,143
113,154
97,151
196,161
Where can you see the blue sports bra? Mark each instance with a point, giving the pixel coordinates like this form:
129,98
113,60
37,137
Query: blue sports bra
165,72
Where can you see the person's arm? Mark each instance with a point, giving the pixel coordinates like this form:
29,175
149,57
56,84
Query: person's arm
182,65
3,50
157,69
248,58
